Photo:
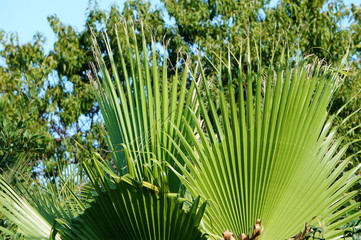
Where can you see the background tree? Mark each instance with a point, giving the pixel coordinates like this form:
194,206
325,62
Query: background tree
22,103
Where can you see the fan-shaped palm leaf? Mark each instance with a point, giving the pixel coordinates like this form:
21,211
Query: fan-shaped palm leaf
126,209
269,152
30,221
137,105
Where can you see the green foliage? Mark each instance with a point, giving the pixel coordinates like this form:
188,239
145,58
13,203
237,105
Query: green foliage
316,27
61,92
154,217
17,140
123,206
22,132
32,224
48,115
251,156
128,209
136,110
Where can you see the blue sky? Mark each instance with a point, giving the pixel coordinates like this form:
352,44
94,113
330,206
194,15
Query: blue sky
26,17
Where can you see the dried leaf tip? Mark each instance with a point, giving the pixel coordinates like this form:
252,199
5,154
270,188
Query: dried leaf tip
227,235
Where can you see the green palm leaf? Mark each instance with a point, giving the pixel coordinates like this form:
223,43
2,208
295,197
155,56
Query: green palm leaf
127,209
34,205
269,152
138,104
30,221
128,212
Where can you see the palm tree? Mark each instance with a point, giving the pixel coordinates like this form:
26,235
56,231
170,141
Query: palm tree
190,163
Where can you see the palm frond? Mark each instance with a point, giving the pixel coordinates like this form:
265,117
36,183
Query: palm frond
126,209
268,152
31,223
34,204
138,104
